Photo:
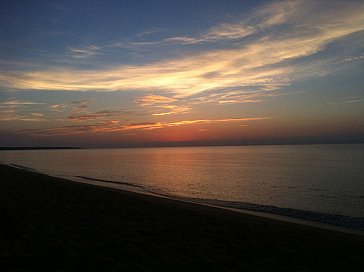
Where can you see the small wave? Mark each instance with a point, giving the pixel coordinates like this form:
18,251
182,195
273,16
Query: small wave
327,196
331,219
111,181
317,190
22,167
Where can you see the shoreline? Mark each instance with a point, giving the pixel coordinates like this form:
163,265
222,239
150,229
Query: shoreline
272,216
56,223
138,189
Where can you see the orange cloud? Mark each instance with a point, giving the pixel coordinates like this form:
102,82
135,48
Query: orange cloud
152,99
172,109
157,125
112,126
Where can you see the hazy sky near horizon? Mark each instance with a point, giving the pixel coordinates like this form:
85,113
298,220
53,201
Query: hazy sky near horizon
109,73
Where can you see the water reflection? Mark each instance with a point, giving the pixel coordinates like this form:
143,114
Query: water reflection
325,178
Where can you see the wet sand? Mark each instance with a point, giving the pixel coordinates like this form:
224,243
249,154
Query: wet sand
51,224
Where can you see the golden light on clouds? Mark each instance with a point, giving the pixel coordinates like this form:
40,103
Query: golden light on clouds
113,126
258,62
275,65
153,99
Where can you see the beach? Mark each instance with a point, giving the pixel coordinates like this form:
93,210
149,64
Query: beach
54,224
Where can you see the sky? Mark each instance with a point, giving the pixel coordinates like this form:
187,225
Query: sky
133,73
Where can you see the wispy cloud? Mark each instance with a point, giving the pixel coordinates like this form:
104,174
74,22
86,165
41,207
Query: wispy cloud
150,31
265,17
222,32
100,115
112,126
59,131
85,52
267,60
212,121
161,125
79,107
19,103
20,110
353,58
153,99
57,107
12,114
347,101
237,96
171,109
161,105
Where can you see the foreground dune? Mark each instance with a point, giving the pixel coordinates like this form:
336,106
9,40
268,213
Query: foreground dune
57,225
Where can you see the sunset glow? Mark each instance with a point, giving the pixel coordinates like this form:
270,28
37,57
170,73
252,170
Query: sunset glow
245,71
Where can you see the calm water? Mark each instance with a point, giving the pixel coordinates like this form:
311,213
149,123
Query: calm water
321,178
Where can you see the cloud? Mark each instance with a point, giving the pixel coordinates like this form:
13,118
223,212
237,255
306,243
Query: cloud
13,115
240,96
183,77
112,126
280,12
264,17
100,115
79,112
349,101
269,60
59,131
222,32
229,31
79,107
183,40
85,52
19,103
353,58
161,105
171,109
161,125
212,121
153,99
149,31
18,110
57,107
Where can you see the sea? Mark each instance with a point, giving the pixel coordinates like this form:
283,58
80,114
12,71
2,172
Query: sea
322,183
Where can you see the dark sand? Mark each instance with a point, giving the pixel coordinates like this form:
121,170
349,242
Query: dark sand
51,224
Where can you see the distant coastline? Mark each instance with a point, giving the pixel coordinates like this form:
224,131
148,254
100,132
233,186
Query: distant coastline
286,141
37,148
